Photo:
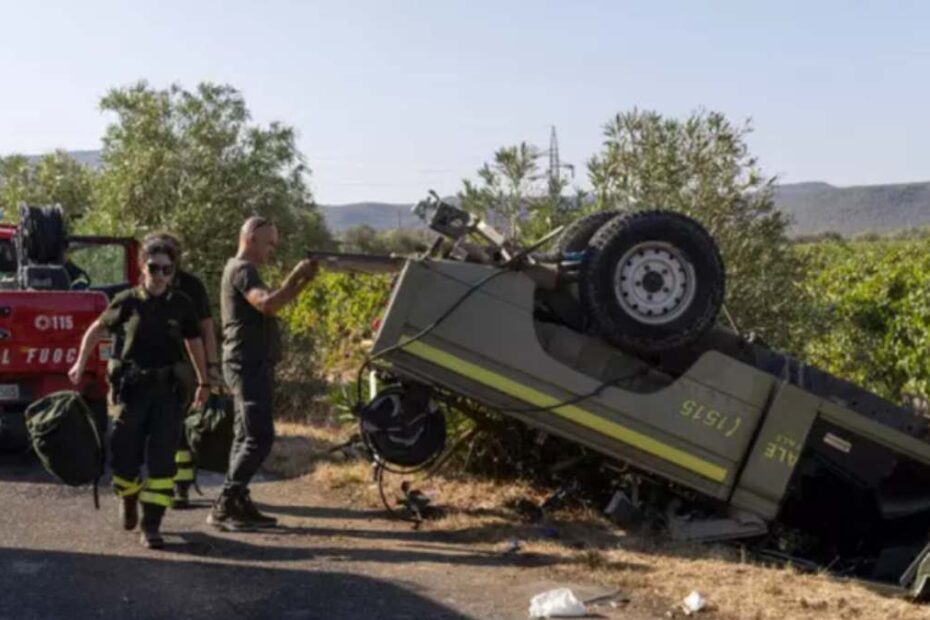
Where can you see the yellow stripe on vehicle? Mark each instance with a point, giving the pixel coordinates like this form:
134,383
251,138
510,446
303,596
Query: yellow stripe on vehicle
570,412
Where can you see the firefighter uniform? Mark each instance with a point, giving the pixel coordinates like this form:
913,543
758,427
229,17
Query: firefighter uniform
151,331
191,286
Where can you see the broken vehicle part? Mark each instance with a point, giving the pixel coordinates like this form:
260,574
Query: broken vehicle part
763,446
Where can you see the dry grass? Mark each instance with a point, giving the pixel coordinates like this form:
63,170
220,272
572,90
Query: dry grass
656,574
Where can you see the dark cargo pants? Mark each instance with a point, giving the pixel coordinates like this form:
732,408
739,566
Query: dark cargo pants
145,431
252,387
183,458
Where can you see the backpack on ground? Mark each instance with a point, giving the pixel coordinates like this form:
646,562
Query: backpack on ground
209,432
65,437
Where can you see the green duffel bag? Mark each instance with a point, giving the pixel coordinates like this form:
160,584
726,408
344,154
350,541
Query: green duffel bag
209,433
64,435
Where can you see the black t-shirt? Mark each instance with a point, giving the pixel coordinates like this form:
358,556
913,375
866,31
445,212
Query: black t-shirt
193,287
249,337
151,329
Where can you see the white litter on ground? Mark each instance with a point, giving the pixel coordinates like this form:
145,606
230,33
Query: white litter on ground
693,603
558,603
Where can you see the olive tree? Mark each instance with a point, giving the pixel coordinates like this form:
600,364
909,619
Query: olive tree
56,178
193,163
701,166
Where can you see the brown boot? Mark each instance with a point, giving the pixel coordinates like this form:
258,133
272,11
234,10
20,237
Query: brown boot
129,511
150,538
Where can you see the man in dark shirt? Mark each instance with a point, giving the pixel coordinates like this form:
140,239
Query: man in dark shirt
251,348
190,285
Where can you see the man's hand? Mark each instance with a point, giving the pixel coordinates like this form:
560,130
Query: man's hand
201,395
76,372
307,269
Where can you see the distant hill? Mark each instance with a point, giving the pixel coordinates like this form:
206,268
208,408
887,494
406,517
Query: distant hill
88,158
378,215
819,207
814,207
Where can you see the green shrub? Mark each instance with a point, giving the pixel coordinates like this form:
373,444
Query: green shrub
334,316
871,319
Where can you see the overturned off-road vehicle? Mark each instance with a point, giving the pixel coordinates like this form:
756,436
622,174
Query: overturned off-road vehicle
611,341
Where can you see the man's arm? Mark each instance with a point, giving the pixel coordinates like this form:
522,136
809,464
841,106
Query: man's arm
270,302
92,337
209,341
195,350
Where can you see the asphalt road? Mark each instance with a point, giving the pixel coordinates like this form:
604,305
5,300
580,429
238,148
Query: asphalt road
59,558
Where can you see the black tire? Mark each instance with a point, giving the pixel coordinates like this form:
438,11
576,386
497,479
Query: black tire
576,235
403,426
668,290
44,235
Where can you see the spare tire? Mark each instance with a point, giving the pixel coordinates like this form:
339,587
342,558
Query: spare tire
652,281
43,233
576,235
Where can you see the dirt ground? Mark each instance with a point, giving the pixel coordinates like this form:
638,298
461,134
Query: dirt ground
330,558
578,546
338,554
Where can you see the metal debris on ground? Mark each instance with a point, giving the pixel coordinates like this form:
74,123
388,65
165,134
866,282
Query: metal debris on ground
611,599
558,603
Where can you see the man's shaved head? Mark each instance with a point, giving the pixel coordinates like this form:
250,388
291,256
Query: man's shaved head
254,223
258,238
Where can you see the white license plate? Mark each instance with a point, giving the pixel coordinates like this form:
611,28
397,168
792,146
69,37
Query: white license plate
9,391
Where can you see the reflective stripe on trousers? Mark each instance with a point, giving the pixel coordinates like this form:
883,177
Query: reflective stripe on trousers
185,463
157,491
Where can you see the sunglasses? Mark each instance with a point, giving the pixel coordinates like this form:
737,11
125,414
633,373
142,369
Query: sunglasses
155,269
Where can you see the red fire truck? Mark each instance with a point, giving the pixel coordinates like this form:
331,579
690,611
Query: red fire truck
52,287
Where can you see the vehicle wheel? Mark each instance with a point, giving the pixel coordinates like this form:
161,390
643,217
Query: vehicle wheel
652,281
576,235
43,233
404,426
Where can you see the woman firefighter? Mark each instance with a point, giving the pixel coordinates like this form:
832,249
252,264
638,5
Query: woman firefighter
152,320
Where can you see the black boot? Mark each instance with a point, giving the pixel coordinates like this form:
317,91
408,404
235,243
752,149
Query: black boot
129,511
227,513
151,522
252,514
181,496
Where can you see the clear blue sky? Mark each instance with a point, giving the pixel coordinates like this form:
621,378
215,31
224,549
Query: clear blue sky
392,98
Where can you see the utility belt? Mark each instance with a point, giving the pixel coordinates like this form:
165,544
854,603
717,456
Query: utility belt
124,375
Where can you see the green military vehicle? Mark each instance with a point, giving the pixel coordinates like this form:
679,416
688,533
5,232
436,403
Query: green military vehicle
613,342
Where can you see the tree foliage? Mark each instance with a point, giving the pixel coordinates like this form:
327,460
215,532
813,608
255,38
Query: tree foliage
873,313
191,162
514,196
701,166
56,178
367,240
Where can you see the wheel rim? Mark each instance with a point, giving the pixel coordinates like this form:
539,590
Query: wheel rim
654,282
